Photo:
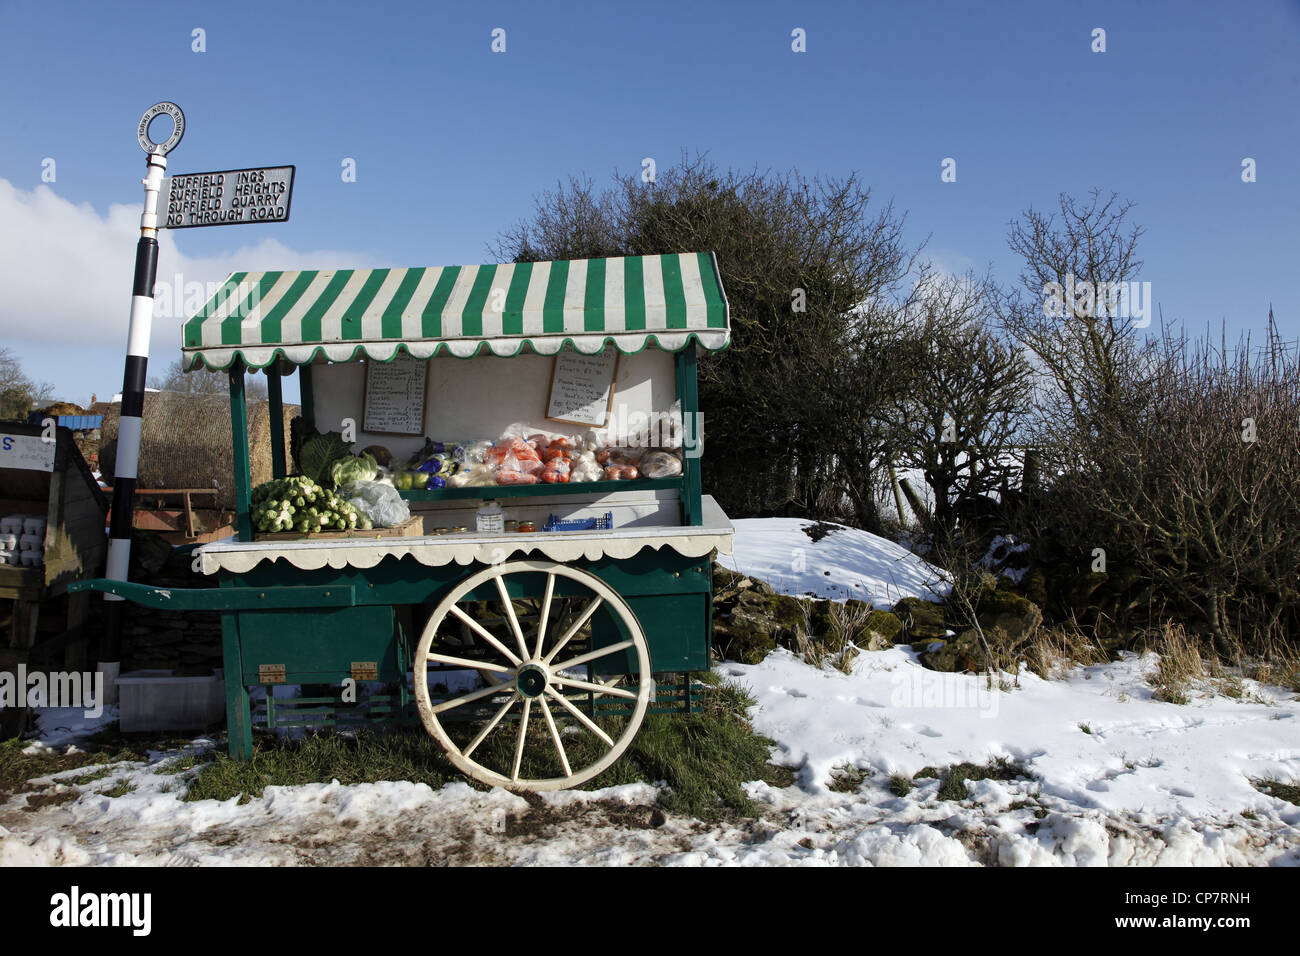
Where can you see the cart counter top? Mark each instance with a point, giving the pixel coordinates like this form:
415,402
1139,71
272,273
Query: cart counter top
715,531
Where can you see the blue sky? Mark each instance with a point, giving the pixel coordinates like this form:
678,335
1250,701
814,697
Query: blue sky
452,141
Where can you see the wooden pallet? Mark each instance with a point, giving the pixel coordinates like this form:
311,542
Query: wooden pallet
411,527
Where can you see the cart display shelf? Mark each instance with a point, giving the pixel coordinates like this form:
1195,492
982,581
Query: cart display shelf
529,491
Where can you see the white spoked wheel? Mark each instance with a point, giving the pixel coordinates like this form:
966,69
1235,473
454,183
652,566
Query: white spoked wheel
537,700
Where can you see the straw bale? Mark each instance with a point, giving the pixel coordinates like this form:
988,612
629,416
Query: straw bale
185,443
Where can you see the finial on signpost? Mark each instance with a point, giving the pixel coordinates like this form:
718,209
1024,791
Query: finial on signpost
178,128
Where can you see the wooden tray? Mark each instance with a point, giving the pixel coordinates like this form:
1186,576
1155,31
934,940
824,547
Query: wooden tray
411,527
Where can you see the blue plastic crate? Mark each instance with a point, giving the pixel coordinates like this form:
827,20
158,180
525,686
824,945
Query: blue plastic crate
580,524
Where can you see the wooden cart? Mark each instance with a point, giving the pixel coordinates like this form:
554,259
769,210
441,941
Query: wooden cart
531,658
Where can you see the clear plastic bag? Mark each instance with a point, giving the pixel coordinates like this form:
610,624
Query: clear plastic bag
379,502
660,464
472,476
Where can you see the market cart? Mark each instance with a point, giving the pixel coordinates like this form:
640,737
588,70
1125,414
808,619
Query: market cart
532,657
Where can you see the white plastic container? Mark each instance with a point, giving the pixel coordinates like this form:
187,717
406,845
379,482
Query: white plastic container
8,541
156,700
31,542
490,519
34,524
33,559
7,556
12,524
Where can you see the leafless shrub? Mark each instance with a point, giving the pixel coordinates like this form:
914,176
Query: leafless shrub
1196,489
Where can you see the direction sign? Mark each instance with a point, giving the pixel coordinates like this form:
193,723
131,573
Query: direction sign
227,198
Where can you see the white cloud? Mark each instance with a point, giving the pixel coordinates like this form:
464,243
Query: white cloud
66,272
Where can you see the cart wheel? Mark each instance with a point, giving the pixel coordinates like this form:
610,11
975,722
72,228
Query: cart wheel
490,732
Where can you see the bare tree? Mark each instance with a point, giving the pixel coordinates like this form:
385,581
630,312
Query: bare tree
205,381
1067,308
961,415
18,393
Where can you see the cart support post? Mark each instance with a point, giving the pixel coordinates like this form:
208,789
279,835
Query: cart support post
239,442
127,464
688,396
239,711
308,397
276,397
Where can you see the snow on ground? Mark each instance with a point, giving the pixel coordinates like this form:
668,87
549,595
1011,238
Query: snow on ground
1112,776
845,563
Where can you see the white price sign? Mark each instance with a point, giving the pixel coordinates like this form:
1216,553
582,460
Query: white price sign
28,452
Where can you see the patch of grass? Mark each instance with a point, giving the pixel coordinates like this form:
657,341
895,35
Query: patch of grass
900,784
16,767
187,762
1232,687
1280,671
1052,651
1039,812
704,757
82,779
37,801
1289,792
1179,668
953,779
847,778
1085,728
322,757
120,789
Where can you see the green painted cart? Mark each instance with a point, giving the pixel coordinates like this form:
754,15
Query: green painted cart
531,658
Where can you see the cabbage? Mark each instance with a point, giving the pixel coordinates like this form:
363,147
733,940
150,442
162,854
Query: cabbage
361,468
317,456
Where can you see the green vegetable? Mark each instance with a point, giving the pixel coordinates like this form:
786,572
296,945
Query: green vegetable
318,455
274,507
360,468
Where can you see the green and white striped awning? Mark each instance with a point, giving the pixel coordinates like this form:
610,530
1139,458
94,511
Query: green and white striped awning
666,301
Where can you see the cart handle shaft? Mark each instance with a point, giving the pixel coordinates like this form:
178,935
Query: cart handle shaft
222,599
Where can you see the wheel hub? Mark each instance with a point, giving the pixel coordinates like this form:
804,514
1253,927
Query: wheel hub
531,680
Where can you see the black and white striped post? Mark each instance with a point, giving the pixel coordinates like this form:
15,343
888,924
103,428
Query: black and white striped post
133,379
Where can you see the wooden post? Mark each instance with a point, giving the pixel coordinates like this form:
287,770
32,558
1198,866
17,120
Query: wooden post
239,711
239,445
692,427
308,397
273,392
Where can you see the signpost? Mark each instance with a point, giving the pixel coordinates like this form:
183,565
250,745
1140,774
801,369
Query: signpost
178,202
